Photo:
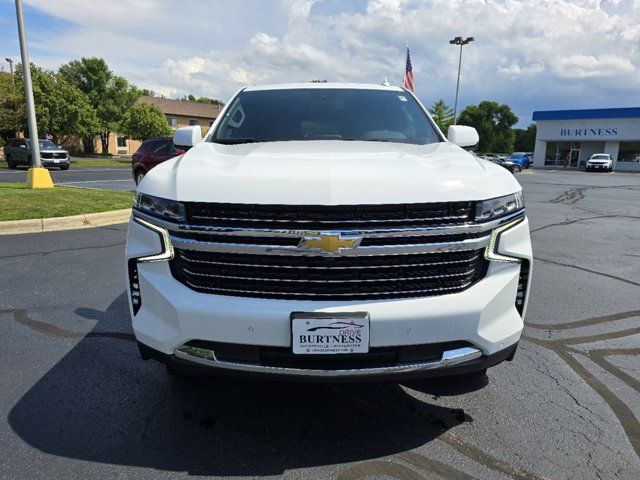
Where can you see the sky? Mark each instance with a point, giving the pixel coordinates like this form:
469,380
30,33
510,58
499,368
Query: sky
531,55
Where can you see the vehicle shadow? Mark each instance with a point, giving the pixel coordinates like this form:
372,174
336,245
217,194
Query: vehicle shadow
101,403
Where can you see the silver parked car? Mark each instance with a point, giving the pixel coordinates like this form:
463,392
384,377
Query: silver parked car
18,152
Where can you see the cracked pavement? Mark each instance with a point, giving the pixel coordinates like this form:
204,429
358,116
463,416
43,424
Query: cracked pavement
77,402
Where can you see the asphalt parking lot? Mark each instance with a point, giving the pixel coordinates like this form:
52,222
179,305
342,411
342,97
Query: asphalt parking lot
109,178
77,402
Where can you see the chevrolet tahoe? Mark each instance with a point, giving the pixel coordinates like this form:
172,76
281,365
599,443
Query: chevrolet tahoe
327,232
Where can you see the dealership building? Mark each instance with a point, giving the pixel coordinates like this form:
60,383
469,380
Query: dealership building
570,137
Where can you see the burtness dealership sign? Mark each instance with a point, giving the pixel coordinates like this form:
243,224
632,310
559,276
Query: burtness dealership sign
589,132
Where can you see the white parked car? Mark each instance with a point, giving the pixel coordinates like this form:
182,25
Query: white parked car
600,161
328,232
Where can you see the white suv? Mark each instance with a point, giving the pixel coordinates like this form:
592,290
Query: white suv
328,232
600,161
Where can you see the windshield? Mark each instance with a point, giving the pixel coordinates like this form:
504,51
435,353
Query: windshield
325,114
600,157
43,144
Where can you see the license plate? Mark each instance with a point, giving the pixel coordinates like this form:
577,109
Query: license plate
56,161
329,334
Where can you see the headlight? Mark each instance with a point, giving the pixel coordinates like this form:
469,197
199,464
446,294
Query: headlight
499,207
159,207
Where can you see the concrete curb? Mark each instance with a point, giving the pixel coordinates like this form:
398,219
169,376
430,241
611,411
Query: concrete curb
88,220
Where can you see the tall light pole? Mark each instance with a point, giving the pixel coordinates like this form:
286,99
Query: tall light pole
459,41
37,177
10,62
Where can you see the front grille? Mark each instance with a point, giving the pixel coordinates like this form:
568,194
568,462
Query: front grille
52,155
377,357
321,217
400,250
328,277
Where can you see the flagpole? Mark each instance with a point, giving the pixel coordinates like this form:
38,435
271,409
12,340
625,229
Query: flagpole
404,75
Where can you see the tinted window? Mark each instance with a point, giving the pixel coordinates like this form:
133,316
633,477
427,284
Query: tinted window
147,146
325,114
163,148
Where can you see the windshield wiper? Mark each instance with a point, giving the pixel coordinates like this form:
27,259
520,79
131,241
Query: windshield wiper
235,141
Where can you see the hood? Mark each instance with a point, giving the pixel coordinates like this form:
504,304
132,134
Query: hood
328,173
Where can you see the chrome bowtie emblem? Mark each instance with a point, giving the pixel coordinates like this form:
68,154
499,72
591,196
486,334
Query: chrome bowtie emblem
329,242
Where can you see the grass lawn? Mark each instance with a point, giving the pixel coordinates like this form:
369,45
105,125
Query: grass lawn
19,203
98,162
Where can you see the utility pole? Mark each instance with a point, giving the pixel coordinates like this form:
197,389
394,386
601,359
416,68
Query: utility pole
459,41
10,62
37,177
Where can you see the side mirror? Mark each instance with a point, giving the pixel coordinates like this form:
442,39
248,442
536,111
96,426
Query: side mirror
187,136
463,136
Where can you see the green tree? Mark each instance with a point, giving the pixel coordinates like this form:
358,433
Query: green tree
525,138
493,123
144,121
210,101
442,114
10,106
109,95
61,108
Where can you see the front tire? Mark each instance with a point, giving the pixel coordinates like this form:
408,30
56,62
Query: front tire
139,175
516,169
10,163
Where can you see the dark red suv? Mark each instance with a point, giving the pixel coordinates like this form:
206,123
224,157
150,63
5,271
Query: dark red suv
151,153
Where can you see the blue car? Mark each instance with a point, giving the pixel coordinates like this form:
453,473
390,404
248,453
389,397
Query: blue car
520,158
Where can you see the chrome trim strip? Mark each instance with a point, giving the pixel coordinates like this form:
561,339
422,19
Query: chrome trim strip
354,296
491,250
365,233
276,221
197,245
350,267
165,242
303,281
449,358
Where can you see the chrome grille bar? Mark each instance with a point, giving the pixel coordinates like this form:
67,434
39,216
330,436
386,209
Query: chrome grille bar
398,293
303,267
197,245
291,280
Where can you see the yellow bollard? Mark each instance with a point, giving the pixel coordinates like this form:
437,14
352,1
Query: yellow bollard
39,177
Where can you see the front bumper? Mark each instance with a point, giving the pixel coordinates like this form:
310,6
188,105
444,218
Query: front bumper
485,315
456,362
58,162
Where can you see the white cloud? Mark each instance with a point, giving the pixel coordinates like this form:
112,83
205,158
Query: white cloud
530,54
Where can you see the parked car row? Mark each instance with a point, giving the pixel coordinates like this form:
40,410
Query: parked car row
515,162
18,151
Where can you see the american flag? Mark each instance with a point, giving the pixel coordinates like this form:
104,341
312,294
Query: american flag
408,73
